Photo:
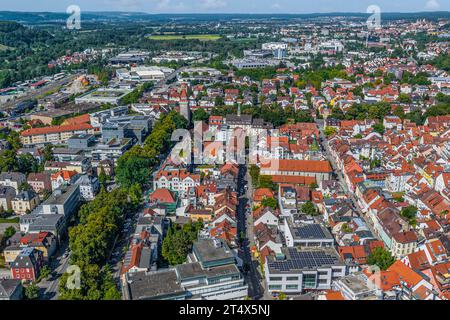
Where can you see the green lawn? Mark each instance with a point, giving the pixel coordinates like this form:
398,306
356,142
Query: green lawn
202,37
14,220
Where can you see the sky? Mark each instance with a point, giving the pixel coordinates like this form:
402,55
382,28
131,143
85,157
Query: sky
227,6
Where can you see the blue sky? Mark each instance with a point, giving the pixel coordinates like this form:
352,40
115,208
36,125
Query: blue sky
228,6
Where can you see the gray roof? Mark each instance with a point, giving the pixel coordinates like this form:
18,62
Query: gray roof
15,176
146,286
7,191
8,287
209,250
60,196
194,270
25,195
44,222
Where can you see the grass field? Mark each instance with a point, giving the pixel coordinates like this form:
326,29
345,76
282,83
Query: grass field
201,37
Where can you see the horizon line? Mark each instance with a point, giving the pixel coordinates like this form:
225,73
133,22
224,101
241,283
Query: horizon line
230,13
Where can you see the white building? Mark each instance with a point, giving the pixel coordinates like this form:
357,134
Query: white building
89,187
305,269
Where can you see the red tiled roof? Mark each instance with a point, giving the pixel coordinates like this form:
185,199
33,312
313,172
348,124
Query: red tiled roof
298,165
162,195
56,129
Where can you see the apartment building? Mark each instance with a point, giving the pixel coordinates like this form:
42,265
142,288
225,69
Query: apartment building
54,134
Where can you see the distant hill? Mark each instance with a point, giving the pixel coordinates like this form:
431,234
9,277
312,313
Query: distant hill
60,17
14,34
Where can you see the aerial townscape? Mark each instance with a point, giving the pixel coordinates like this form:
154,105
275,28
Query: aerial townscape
225,156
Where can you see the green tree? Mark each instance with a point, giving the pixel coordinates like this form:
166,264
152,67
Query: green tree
32,292
309,208
200,115
269,202
379,128
381,257
178,242
9,232
329,131
254,172
410,213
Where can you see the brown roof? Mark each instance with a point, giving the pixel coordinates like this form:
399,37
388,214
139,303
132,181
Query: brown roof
56,129
299,165
405,237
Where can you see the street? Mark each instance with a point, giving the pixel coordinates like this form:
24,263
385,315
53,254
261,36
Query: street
59,265
326,147
252,277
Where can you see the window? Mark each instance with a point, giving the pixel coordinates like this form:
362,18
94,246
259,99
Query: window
275,278
275,287
291,287
309,281
292,278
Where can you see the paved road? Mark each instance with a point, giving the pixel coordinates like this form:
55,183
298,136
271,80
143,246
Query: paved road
252,278
49,287
324,143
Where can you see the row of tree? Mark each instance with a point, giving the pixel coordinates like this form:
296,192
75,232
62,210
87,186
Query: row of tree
91,242
135,166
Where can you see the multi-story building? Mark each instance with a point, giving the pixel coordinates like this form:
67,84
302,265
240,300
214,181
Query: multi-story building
27,265
25,201
89,187
211,273
39,182
303,269
7,194
12,179
62,201
54,134
306,235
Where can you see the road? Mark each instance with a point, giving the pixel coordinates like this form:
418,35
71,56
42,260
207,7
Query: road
252,277
326,147
49,286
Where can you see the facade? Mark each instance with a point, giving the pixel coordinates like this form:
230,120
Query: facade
54,134
27,265
89,187
306,269
40,182
355,287
210,274
12,179
63,201
7,194
307,235
25,201
403,243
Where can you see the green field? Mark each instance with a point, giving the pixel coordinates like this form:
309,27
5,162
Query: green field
202,37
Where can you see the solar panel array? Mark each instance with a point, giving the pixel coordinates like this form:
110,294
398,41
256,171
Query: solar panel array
298,260
310,231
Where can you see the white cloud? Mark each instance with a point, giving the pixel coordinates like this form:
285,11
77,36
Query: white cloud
124,4
432,5
213,4
276,5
